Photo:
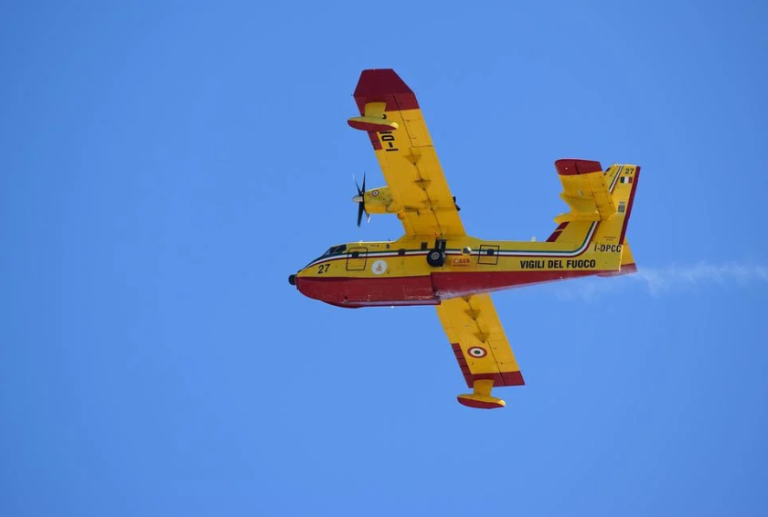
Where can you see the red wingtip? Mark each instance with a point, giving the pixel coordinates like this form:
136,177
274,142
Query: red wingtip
570,166
384,85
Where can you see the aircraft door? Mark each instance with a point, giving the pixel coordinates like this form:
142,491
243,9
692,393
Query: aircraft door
357,258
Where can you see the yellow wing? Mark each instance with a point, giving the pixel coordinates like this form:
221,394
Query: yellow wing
392,117
481,347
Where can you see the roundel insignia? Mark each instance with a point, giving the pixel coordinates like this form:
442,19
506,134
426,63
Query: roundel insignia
379,267
477,352
375,193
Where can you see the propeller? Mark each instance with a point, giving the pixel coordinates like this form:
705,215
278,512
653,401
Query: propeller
360,200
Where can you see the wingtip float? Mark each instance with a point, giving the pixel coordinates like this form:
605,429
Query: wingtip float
436,263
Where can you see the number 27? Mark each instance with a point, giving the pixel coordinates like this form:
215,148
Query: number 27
323,269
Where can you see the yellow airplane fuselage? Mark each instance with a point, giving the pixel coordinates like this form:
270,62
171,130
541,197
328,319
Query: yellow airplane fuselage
368,274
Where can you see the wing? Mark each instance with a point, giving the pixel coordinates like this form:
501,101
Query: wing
393,120
481,347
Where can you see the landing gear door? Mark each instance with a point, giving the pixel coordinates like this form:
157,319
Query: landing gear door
357,258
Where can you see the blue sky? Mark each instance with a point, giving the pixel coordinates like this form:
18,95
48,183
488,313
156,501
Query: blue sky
166,165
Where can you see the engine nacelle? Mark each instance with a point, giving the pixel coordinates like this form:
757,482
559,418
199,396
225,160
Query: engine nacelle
379,201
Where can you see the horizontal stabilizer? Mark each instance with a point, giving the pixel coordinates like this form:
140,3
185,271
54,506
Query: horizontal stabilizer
585,190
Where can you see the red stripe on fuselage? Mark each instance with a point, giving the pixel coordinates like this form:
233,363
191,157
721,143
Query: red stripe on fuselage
422,290
369,292
554,236
452,285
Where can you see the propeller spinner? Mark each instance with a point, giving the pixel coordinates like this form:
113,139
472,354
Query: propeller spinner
360,200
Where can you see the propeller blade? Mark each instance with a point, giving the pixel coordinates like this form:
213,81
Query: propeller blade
360,200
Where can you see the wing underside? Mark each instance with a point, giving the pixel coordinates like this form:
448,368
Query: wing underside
481,347
391,116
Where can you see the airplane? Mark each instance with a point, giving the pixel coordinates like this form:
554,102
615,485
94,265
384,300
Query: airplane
437,263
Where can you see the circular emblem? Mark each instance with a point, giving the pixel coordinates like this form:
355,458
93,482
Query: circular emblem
477,351
379,267
375,193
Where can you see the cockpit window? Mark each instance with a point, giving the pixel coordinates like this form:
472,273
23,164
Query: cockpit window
334,250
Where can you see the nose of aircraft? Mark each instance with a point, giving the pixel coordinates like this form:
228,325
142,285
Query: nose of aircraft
292,279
